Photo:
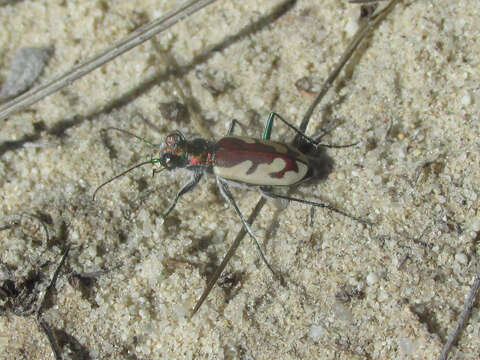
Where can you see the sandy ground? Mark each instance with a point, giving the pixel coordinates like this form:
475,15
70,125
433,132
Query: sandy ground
391,291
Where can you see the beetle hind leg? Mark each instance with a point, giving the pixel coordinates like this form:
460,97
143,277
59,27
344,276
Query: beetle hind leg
268,193
225,190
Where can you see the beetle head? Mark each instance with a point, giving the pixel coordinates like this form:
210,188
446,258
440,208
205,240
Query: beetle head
174,154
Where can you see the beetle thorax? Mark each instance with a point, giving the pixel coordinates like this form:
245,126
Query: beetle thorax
200,152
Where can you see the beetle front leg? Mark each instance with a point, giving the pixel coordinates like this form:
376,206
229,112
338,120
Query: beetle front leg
197,175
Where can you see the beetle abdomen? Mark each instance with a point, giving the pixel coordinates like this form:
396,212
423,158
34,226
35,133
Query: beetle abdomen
259,162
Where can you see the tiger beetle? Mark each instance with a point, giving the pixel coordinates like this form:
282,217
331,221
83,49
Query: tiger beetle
256,163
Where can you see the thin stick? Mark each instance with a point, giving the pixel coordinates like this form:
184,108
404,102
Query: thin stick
52,282
261,202
132,40
241,234
364,1
462,319
33,216
42,324
373,21
45,327
170,62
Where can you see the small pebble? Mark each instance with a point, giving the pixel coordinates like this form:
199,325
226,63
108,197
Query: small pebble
27,65
406,346
461,258
466,99
372,278
316,332
476,224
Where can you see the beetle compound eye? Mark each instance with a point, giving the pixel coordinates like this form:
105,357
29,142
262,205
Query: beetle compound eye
174,139
170,140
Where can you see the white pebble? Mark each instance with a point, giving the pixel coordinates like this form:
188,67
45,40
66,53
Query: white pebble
315,332
476,224
69,189
461,258
342,312
372,278
466,99
406,346
351,27
382,295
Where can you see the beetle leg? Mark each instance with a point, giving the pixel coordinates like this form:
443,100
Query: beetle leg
225,190
268,131
197,175
232,126
268,128
268,193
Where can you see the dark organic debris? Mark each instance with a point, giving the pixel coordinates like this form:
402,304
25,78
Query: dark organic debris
174,111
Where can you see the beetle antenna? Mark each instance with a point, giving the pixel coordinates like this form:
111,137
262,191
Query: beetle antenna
151,161
126,132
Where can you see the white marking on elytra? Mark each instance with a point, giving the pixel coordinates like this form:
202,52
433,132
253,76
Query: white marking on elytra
261,174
